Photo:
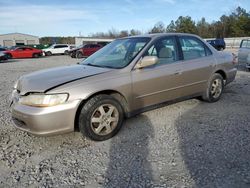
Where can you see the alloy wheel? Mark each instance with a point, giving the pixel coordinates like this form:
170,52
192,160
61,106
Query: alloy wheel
104,119
216,88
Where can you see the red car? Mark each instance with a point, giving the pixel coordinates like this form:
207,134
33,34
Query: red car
84,51
23,52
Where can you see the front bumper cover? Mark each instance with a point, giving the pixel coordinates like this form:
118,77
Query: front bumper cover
45,121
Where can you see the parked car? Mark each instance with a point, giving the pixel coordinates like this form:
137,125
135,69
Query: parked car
3,56
126,77
58,49
23,52
2,49
72,52
84,50
218,44
244,53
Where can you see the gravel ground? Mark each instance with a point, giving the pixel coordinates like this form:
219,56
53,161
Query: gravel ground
187,144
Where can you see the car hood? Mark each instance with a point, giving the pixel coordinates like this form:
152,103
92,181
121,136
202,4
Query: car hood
45,80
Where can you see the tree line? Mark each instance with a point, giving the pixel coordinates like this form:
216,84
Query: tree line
236,24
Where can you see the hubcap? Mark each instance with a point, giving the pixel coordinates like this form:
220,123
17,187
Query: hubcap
104,119
216,88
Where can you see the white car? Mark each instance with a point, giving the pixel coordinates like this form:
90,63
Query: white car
57,49
244,53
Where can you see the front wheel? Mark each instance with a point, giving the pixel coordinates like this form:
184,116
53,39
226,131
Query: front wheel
35,55
9,56
214,88
101,117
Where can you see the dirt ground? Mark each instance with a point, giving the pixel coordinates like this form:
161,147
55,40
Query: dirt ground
187,144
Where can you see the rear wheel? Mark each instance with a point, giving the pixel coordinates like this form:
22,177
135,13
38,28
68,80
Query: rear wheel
35,55
101,117
79,54
214,89
48,53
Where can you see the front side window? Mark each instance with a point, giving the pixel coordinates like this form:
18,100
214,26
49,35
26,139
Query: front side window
193,48
165,49
118,53
20,49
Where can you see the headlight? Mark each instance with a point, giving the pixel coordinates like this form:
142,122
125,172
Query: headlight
43,100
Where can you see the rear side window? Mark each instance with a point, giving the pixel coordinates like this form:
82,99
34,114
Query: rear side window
61,46
193,48
245,44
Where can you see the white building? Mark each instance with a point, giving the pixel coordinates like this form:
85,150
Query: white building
13,39
85,40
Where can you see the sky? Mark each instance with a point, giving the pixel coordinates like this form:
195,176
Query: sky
85,17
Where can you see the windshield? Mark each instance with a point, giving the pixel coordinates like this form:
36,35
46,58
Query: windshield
118,53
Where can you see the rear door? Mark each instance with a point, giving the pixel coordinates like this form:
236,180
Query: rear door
244,51
196,66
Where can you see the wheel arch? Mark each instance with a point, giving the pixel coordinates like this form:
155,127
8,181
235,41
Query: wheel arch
117,95
222,73
9,55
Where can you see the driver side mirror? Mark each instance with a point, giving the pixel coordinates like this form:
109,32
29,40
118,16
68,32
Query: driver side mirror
147,61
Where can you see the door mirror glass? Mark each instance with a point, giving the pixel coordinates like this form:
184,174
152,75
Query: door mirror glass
147,61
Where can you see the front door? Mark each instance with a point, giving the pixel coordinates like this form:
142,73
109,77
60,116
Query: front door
160,82
244,51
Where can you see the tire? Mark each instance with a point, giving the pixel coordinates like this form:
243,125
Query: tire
73,55
101,118
214,89
35,55
79,55
9,56
66,52
48,53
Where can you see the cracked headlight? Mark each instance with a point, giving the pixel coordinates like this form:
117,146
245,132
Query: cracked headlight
43,100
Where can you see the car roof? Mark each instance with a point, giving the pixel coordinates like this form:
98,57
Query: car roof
157,35
62,44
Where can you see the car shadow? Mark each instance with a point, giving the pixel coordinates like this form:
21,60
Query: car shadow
242,67
215,143
8,61
129,165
